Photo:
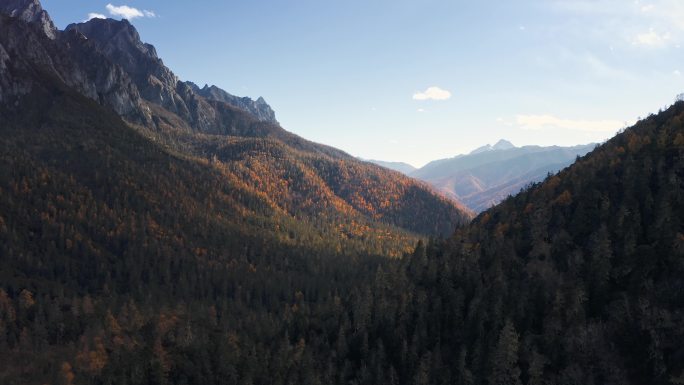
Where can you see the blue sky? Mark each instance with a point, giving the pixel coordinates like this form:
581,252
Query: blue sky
413,81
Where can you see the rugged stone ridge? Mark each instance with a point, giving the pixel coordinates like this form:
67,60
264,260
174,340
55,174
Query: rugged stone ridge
488,174
259,108
121,43
124,75
25,50
106,60
30,11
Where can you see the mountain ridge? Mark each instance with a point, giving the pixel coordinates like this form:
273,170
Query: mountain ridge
148,95
488,174
136,252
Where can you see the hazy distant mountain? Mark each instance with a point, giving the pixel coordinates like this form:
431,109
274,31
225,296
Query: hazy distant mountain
489,173
500,145
402,167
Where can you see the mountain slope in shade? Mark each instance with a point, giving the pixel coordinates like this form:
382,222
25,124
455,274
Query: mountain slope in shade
135,254
119,190
576,280
488,174
31,12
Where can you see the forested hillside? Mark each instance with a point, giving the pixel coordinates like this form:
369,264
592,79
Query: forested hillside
577,280
176,250
94,216
242,222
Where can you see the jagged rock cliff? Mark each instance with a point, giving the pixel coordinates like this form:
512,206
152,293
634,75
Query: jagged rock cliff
121,43
25,49
30,11
259,108
106,60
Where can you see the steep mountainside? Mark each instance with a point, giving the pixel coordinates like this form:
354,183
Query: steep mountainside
164,252
259,108
26,53
114,271
106,61
120,43
116,191
576,280
31,12
488,174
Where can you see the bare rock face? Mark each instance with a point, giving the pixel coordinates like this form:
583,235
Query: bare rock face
121,43
28,54
259,108
4,58
106,60
30,11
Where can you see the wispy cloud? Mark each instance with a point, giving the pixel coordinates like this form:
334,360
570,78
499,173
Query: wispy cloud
127,12
652,39
432,93
638,23
544,122
647,7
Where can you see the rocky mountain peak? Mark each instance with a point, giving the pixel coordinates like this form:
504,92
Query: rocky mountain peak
119,35
485,148
503,144
257,108
30,11
129,74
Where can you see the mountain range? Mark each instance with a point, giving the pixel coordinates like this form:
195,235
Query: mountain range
489,174
155,232
105,61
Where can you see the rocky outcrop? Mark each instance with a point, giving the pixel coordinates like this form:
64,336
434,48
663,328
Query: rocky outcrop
30,11
27,54
106,60
259,108
121,43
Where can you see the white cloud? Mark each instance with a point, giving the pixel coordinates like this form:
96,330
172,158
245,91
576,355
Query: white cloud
432,93
652,39
127,12
542,122
421,110
640,24
93,15
677,73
